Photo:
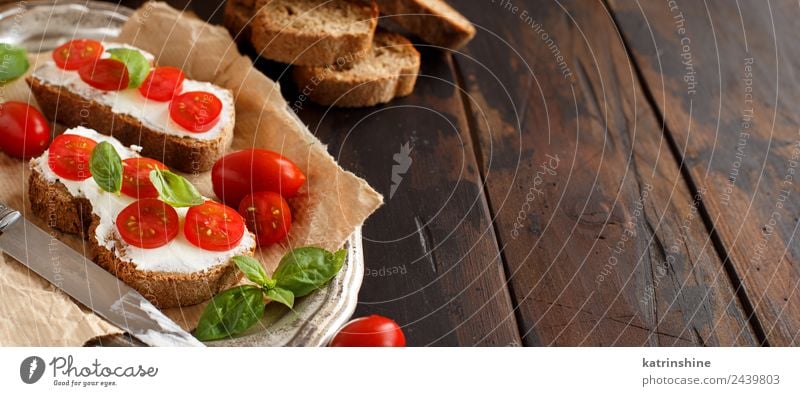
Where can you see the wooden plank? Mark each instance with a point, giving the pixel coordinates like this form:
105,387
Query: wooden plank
604,245
432,259
723,76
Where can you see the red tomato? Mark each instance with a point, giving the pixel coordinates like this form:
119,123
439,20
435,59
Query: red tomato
24,132
195,111
370,331
136,177
239,174
162,83
213,226
69,156
148,223
267,215
105,74
76,53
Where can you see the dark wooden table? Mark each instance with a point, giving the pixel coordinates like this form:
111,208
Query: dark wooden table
586,173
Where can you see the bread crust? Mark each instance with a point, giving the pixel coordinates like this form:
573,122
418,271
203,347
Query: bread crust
54,204
447,29
237,19
273,40
182,153
52,201
327,86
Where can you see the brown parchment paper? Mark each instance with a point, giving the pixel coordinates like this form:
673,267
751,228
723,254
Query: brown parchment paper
329,208
32,311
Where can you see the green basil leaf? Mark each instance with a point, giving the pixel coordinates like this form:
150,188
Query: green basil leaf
252,270
230,313
282,296
138,66
175,189
106,167
306,269
13,62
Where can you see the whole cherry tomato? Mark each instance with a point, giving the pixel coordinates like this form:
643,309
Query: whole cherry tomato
24,132
242,173
370,331
267,215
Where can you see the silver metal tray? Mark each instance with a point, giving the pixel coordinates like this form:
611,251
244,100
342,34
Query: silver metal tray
43,25
317,316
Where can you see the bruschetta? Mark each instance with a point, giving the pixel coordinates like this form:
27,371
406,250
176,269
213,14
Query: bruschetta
119,90
167,242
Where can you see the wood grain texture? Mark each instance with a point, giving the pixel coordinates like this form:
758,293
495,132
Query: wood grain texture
432,258
724,77
606,247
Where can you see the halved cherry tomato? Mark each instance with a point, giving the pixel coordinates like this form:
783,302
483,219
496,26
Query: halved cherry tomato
136,177
370,331
69,156
105,74
162,83
213,226
239,174
76,53
148,223
267,215
24,132
196,111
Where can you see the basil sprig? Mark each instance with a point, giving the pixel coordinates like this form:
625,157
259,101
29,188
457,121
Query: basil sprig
175,189
106,167
300,272
138,66
231,312
13,62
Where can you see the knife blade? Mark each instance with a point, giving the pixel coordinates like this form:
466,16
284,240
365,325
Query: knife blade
87,282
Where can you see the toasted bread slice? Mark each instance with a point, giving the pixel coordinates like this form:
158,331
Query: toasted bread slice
69,212
434,21
133,119
179,152
163,289
313,32
390,70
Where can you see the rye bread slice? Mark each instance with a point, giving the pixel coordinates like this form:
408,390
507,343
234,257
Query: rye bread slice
52,201
182,153
313,32
433,21
389,70
237,19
